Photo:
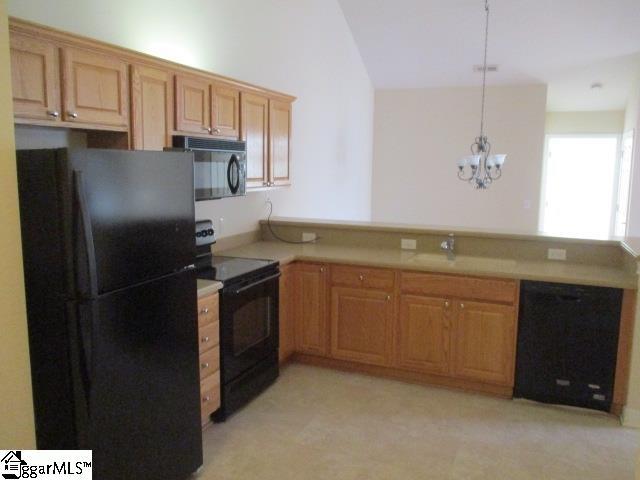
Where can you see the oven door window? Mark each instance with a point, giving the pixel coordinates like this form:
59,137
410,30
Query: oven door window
251,324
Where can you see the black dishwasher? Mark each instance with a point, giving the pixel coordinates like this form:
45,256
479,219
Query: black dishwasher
567,344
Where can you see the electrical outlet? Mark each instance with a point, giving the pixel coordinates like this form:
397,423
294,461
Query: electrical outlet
556,254
408,244
308,237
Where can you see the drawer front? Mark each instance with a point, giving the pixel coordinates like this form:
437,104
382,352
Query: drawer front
209,396
209,336
209,362
376,278
208,309
503,291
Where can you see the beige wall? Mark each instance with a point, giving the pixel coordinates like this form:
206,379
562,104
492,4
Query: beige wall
420,134
16,417
581,123
302,47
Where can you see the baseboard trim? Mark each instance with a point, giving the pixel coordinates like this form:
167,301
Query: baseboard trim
404,375
630,417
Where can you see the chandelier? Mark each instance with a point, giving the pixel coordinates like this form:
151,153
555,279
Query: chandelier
484,168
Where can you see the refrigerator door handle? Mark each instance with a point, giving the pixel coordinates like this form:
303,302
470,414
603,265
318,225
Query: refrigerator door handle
87,233
80,347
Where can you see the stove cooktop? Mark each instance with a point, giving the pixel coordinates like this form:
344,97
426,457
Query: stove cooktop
225,269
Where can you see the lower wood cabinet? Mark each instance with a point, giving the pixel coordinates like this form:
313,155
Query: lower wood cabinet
361,325
310,293
424,334
287,342
485,339
209,344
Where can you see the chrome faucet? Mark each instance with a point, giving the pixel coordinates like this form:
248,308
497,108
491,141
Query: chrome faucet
449,246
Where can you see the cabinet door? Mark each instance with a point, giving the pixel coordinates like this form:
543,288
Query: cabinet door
95,88
255,131
485,336
287,332
226,111
151,107
361,322
424,334
279,142
311,298
193,105
34,78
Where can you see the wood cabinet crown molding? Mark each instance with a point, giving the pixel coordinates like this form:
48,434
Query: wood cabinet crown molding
67,39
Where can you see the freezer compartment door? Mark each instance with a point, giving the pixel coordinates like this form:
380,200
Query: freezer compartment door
142,380
134,214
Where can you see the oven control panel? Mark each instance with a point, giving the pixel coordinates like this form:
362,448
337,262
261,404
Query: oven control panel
205,234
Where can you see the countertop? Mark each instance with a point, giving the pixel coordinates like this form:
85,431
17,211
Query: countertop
207,287
551,271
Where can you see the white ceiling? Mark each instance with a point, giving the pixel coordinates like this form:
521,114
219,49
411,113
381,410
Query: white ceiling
567,44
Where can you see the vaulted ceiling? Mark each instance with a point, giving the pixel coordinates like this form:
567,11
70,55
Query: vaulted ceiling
567,44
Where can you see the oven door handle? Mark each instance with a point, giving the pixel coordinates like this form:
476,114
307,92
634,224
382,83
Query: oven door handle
251,285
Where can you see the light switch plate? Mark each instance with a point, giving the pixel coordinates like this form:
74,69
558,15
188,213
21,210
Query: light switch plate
408,244
308,237
556,254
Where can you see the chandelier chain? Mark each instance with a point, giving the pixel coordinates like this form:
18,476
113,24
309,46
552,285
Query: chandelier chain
484,70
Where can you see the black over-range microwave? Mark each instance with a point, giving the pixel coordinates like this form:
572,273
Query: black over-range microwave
219,167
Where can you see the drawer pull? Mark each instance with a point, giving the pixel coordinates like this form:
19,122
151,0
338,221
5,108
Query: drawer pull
204,365
562,383
361,277
446,304
75,115
205,339
204,311
388,297
206,399
462,305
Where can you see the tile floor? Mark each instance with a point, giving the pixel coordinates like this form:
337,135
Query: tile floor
323,424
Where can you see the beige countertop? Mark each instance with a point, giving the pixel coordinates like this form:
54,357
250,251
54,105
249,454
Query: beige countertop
207,287
552,271
630,244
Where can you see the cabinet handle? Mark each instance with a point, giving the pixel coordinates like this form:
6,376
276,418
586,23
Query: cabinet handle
446,304
216,130
72,114
361,277
207,129
462,305
321,269
206,399
388,297
204,311
205,339
204,365
53,114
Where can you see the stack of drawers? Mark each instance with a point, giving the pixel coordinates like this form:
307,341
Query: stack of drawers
209,338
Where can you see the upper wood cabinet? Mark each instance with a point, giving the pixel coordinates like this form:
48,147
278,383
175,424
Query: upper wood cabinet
35,79
151,107
361,325
424,334
95,88
226,111
279,142
266,127
193,105
485,337
207,108
255,132
310,308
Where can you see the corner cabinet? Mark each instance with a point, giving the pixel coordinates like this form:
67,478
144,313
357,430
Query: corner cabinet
310,294
266,127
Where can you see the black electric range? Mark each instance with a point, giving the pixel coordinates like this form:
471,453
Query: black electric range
248,322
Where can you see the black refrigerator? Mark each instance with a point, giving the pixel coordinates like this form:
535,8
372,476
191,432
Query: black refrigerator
108,245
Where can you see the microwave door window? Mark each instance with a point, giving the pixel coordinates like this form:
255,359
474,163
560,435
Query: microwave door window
203,177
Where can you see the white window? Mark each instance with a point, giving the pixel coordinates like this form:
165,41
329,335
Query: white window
580,186
624,185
